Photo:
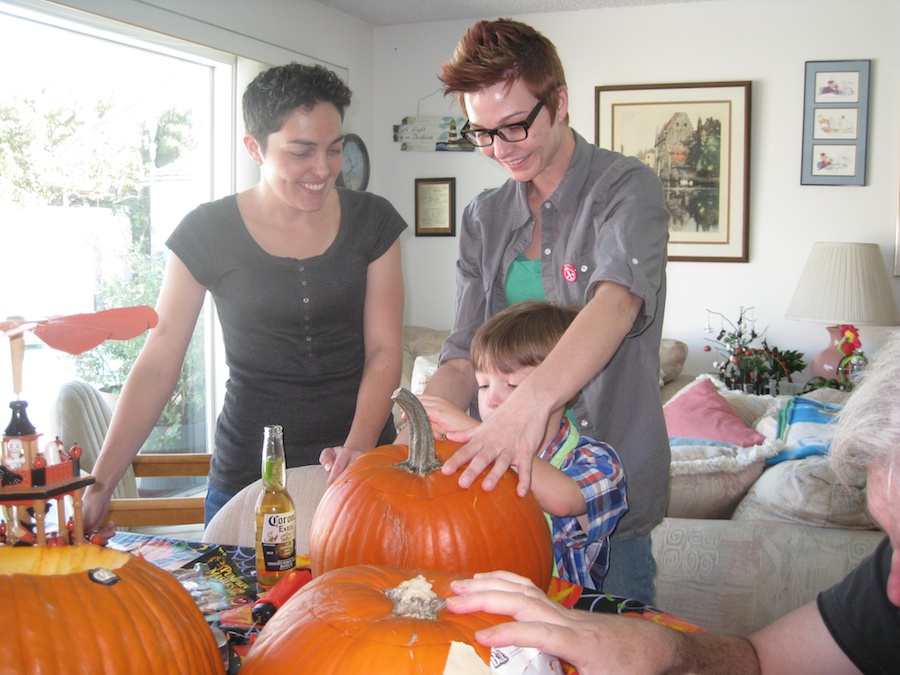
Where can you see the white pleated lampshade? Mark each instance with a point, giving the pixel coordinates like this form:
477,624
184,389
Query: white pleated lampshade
845,282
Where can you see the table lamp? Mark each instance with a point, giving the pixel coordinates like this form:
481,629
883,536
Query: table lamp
843,284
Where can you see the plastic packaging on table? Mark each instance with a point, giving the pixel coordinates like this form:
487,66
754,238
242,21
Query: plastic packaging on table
504,661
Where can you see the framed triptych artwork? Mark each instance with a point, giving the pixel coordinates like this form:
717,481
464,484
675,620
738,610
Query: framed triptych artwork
835,123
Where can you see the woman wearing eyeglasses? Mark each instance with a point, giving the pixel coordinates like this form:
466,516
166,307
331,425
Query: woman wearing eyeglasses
574,224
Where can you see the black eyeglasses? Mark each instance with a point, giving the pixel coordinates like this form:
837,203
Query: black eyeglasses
511,133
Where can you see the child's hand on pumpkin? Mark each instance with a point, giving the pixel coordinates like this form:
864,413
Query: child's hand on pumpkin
445,417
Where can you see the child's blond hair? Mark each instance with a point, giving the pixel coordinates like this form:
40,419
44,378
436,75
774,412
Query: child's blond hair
520,336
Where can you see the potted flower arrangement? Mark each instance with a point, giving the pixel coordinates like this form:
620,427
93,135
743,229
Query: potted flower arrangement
749,363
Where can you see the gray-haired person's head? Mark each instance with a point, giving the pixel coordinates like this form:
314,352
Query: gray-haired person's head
867,432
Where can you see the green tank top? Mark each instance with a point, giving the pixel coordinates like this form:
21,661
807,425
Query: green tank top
523,281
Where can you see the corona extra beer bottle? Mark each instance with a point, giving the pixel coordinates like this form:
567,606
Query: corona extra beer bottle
275,518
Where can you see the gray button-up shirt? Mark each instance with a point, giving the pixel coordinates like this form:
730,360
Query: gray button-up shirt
606,221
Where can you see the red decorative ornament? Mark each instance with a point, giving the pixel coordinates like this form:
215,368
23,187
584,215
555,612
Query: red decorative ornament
56,539
78,333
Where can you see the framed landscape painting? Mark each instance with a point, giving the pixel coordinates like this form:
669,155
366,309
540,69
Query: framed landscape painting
696,138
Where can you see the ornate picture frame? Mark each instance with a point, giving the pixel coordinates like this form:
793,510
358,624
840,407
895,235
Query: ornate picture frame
696,137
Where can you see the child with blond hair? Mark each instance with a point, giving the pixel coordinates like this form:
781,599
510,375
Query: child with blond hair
578,481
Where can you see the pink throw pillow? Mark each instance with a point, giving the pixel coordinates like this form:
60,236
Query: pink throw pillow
702,412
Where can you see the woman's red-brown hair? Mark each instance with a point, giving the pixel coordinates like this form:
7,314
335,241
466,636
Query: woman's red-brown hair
504,51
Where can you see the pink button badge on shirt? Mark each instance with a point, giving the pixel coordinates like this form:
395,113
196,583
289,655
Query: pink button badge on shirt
569,273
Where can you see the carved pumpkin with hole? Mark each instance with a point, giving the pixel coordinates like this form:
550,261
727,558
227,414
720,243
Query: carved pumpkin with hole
384,511
367,619
92,610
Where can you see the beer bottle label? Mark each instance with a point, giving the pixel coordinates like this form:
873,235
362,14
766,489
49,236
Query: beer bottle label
278,538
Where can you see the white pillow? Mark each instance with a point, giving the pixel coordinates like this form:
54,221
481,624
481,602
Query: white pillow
424,368
708,481
806,491
672,354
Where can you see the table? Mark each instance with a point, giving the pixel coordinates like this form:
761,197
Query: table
230,607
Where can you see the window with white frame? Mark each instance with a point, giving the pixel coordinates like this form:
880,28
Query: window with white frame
109,135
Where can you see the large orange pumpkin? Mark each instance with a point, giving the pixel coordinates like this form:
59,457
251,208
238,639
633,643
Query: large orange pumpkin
384,511
344,622
92,610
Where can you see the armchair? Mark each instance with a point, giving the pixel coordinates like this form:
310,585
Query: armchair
82,417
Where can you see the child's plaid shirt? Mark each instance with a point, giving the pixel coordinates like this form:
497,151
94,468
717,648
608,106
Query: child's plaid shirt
583,557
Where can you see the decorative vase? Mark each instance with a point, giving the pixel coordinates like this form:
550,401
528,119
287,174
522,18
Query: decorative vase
829,359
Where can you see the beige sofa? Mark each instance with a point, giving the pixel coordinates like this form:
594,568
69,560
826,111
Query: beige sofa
738,576
744,543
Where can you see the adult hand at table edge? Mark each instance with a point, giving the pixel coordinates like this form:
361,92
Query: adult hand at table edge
107,532
336,460
596,643
95,506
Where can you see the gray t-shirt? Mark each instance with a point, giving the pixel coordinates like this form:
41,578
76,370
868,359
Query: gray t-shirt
606,221
293,330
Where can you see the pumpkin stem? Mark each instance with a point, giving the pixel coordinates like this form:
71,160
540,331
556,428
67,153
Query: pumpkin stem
422,456
414,598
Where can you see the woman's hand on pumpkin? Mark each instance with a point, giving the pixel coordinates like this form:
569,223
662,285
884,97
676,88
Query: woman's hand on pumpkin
335,460
445,417
509,437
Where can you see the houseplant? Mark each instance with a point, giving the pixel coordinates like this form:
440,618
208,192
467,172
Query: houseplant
749,362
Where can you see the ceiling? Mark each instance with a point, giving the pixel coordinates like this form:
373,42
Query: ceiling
390,12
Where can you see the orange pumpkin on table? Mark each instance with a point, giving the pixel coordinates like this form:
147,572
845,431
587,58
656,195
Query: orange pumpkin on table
386,511
92,610
351,621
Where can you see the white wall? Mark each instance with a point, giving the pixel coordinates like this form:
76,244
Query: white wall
766,41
